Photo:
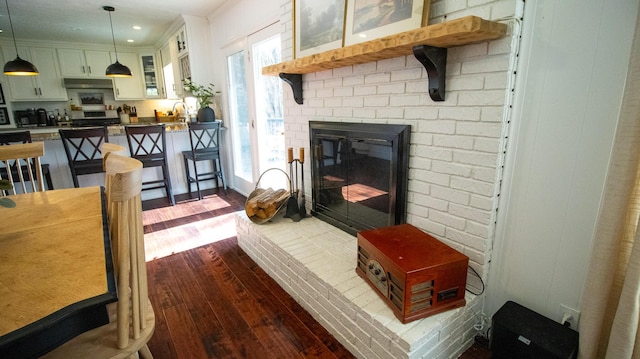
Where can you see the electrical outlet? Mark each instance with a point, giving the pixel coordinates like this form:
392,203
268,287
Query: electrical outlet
570,315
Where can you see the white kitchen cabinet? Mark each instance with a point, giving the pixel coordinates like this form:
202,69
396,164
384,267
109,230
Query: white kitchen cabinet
170,71
160,74
129,88
151,79
177,71
180,39
81,63
195,60
47,86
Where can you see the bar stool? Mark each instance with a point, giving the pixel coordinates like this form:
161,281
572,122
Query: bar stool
205,146
10,138
82,147
148,145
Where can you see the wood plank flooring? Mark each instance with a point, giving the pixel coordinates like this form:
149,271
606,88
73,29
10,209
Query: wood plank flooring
213,301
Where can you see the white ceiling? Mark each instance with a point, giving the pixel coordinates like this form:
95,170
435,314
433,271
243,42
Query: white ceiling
86,21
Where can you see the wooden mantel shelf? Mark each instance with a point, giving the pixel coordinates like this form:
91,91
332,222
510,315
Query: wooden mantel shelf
463,31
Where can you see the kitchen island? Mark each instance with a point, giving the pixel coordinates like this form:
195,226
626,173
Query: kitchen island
177,141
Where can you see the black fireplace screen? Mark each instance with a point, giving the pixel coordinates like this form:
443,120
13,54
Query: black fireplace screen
359,174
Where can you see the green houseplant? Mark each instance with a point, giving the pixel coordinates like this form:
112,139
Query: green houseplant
205,96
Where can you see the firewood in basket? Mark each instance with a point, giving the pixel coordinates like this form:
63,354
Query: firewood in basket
277,201
252,203
268,201
260,213
259,196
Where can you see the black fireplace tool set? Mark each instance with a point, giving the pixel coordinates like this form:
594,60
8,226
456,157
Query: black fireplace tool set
296,209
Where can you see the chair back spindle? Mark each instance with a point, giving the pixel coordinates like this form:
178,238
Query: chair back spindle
125,186
25,158
20,137
107,149
133,318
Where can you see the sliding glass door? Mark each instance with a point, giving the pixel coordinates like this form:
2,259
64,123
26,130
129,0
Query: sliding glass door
255,104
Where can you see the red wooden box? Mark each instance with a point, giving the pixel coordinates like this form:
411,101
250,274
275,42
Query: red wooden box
416,274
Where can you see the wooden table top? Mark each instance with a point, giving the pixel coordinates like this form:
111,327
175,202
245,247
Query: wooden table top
54,253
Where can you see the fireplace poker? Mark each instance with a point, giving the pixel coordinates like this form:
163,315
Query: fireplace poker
293,211
301,199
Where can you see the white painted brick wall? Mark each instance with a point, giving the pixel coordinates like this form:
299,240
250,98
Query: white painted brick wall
315,263
454,167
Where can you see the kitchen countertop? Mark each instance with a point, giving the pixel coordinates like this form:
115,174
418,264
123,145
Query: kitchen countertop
51,133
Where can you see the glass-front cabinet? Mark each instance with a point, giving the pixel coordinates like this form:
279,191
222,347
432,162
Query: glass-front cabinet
151,79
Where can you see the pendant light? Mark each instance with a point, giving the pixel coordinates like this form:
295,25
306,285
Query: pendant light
116,69
18,67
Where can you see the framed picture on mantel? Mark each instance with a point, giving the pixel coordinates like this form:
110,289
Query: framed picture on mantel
318,26
371,19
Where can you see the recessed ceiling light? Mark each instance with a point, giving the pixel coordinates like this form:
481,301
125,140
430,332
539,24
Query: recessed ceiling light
136,27
129,40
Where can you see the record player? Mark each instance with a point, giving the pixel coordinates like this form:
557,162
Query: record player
416,274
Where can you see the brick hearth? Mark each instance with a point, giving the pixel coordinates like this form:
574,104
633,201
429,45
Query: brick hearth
315,263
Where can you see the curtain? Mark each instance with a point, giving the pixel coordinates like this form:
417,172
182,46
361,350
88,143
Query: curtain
610,311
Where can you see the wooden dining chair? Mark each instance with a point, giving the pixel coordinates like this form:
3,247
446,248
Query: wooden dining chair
82,147
148,143
17,137
132,320
107,149
204,138
25,157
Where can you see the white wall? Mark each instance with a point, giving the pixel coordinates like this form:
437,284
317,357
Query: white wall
569,82
456,145
569,88
232,24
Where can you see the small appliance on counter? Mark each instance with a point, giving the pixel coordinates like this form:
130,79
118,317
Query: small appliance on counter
41,113
94,116
26,118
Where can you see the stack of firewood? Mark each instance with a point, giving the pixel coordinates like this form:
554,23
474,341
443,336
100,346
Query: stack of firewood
265,203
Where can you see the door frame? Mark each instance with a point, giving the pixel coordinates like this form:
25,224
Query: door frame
245,45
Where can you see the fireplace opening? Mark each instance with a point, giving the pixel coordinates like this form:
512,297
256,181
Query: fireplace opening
359,174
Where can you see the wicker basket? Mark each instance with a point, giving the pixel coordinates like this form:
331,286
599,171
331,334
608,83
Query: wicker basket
267,215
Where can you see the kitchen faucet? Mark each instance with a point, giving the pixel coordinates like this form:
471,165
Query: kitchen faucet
184,106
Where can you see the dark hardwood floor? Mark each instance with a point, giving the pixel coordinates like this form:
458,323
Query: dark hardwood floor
213,301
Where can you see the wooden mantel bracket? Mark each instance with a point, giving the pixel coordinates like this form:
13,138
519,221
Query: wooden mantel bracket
295,81
434,60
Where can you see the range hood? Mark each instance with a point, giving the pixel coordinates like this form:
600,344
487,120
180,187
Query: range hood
88,83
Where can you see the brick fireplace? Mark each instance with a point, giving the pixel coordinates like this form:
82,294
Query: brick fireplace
315,263
456,154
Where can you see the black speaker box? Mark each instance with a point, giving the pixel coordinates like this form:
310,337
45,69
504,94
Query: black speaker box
519,332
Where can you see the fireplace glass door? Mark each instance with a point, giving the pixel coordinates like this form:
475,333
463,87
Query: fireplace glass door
359,176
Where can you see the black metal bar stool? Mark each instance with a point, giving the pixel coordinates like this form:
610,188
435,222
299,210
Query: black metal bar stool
148,144
82,146
9,138
205,146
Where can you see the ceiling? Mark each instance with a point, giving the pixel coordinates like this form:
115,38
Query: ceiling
86,21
